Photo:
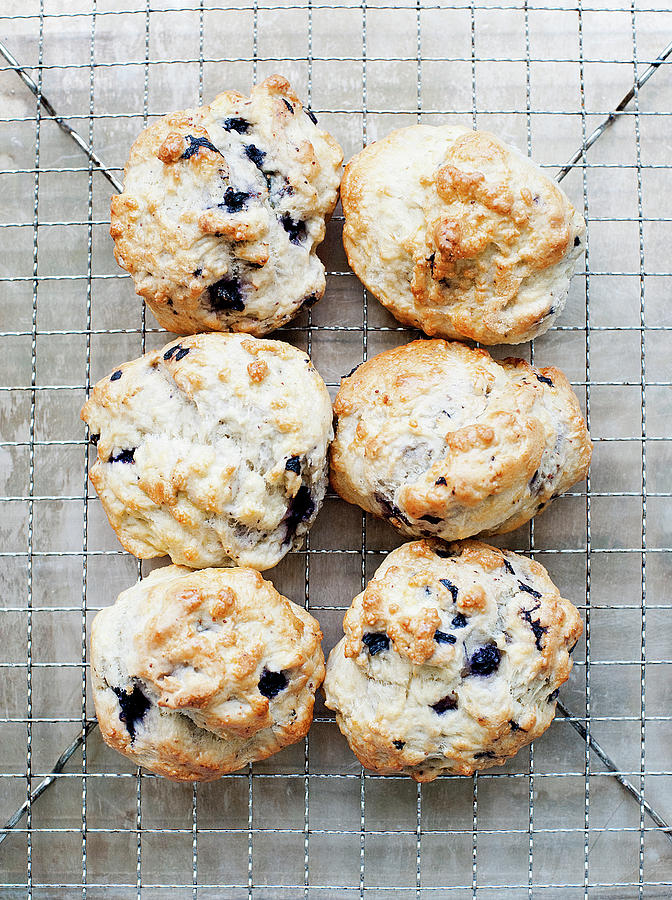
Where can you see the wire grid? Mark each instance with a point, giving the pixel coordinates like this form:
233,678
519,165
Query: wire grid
310,822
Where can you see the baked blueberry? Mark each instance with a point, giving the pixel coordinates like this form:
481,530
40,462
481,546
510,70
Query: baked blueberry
226,294
442,638
235,123
375,642
444,704
255,155
124,456
301,508
115,376
459,621
132,707
195,144
295,230
448,584
271,683
293,464
485,660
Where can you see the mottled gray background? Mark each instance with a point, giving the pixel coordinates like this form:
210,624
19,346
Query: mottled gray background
551,824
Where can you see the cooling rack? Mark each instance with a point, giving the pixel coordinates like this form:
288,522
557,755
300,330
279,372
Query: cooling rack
583,813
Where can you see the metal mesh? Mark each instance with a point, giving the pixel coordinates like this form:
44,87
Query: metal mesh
556,821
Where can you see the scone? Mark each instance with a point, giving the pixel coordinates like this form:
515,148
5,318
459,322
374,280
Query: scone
223,208
459,234
442,440
212,450
196,674
451,661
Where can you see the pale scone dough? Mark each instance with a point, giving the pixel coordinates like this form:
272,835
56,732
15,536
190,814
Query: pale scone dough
222,211
196,674
212,450
459,234
451,661
442,440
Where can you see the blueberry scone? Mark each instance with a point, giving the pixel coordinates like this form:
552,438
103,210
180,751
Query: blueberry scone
442,440
212,450
451,661
459,234
196,674
223,208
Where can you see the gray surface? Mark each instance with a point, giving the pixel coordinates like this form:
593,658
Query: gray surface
552,823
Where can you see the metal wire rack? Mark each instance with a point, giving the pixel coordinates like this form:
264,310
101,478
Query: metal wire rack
580,814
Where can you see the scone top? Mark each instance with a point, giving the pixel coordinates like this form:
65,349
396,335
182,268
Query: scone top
457,233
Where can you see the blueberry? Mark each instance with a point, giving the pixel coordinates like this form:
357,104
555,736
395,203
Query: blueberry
441,480
293,464
444,704
430,260
485,660
390,510
124,456
543,379
484,754
442,638
181,353
255,155
301,507
515,726
197,274
459,621
450,586
577,241
169,353
234,201
288,105
399,744
94,438
195,143
311,115
538,630
553,696
133,707
225,294
352,371
310,300
271,683
508,567
528,590
376,642
295,230
241,126
433,520
115,376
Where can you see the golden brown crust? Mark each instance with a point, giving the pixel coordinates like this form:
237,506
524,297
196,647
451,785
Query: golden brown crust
457,234
441,439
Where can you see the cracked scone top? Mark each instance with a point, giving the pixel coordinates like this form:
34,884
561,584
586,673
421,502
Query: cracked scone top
196,674
223,208
441,440
451,661
211,450
459,234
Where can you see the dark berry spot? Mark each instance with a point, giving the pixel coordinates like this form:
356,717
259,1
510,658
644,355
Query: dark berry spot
301,507
515,726
485,660
459,621
376,642
197,274
115,376
170,302
94,438
390,510
538,630
553,696
484,754
225,294
255,155
295,230
169,353
133,707
508,567
529,590
195,143
241,126
441,480
311,115
450,586
234,201
310,300
444,704
543,379
293,464
433,520
288,105
124,456
577,241
430,260
271,683
399,744
442,638
352,371
181,353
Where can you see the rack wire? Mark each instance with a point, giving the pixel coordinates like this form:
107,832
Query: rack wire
583,812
